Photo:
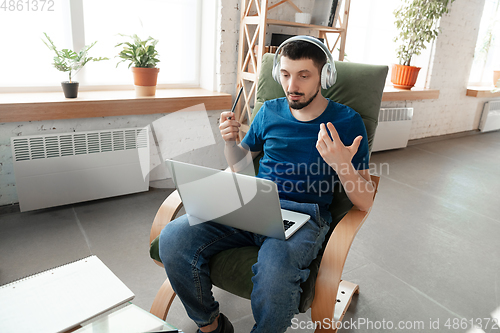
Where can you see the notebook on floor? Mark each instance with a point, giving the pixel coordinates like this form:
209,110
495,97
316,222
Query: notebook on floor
61,298
236,200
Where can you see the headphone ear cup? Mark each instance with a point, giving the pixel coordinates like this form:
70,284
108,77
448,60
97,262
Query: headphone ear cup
328,76
333,74
276,73
325,75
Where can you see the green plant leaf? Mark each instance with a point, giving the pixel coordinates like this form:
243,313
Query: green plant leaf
416,21
68,60
140,53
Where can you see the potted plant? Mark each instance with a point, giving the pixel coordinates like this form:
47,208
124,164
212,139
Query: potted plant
71,62
144,56
417,22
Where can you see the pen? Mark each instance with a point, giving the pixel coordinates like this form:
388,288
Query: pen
236,101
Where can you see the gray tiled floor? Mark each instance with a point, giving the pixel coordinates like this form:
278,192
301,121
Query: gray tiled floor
429,251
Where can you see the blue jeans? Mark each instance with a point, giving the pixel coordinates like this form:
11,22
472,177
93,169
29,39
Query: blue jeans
281,267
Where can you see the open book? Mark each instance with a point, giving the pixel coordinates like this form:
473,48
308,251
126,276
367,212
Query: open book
61,298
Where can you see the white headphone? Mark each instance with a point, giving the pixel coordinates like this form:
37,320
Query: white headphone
328,72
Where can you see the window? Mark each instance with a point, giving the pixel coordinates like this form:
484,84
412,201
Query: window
370,37
487,53
175,23
24,59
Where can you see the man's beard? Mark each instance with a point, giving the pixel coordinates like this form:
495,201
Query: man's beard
296,105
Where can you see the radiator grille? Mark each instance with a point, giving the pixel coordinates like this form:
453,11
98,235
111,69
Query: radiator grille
395,114
494,105
81,143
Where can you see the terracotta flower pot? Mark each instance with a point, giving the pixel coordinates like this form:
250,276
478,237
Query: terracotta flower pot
404,77
145,80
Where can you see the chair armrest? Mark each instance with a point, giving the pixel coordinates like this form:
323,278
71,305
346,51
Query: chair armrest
163,300
334,257
167,212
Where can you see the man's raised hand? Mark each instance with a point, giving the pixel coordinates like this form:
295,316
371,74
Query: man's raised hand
332,150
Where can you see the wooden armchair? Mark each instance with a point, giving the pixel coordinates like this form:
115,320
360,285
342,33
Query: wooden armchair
358,86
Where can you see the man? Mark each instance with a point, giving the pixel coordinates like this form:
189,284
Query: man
309,143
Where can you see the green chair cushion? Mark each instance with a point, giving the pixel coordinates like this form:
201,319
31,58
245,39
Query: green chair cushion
358,86
154,249
231,270
267,88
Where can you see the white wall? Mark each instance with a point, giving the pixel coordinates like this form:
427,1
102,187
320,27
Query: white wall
227,57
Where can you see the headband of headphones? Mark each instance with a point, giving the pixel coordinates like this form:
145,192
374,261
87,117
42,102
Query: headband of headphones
328,72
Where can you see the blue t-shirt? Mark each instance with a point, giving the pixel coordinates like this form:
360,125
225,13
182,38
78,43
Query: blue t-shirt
291,159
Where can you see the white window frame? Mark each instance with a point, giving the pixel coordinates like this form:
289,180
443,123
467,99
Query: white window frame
424,60
486,80
205,38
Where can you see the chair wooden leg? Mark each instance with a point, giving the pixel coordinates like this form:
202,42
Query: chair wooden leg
344,296
163,300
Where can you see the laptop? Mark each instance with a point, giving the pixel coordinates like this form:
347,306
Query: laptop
236,200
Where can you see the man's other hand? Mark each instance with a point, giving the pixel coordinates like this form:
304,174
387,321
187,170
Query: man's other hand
229,127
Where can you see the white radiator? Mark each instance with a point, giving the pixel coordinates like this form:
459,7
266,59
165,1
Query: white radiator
59,169
393,128
490,118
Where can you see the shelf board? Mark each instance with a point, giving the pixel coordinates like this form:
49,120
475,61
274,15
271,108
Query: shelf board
482,92
393,94
302,25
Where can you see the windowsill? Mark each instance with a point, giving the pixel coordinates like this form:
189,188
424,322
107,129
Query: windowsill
482,92
19,107
393,94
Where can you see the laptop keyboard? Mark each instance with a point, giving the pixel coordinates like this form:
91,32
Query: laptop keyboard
287,224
